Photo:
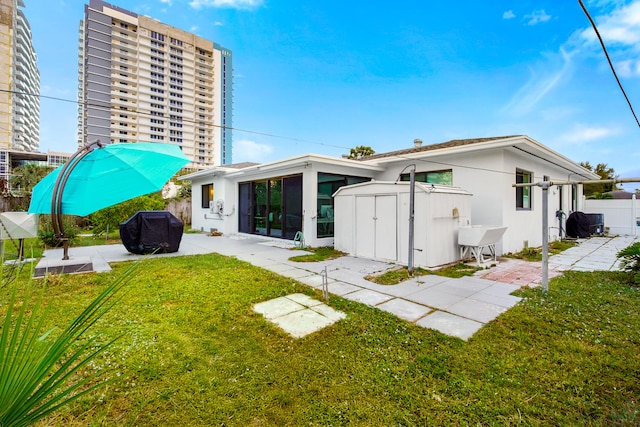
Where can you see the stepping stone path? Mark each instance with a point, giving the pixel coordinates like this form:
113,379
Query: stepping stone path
298,314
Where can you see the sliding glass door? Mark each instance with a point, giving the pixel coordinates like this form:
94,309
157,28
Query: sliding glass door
275,208
272,207
292,206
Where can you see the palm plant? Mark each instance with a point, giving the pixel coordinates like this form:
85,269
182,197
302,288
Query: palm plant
631,261
39,371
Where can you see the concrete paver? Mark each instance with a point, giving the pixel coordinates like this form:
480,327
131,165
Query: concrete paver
315,281
506,301
406,288
277,307
303,322
404,309
298,314
303,299
368,297
479,311
450,324
342,288
457,307
435,298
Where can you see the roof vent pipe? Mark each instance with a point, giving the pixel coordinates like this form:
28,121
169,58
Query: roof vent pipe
417,143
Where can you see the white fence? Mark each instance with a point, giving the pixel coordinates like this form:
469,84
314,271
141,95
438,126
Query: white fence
620,216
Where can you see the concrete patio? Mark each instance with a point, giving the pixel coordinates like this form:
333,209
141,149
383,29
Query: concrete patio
456,307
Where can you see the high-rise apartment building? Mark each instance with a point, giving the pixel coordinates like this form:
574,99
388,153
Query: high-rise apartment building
142,80
19,81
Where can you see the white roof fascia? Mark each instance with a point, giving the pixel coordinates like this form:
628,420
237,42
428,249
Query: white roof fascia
199,174
497,143
304,160
214,171
570,164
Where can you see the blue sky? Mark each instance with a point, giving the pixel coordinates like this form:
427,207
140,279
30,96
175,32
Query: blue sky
325,76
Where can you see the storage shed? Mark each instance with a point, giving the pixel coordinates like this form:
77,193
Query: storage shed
372,221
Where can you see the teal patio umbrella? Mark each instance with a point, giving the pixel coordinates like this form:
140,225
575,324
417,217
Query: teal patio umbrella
101,175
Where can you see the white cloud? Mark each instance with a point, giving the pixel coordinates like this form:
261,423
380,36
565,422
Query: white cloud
245,150
508,14
539,85
193,28
621,26
536,17
620,31
233,4
582,134
628,68
169,2
218,24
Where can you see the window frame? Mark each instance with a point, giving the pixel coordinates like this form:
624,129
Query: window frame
423,176
207,193
524,193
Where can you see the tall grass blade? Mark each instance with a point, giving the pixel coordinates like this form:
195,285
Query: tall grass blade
39,372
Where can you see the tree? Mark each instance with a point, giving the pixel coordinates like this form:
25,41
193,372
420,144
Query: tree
604,172
113,215
184,187
361,151
25,177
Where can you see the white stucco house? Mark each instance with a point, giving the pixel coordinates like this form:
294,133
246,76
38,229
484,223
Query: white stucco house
284,197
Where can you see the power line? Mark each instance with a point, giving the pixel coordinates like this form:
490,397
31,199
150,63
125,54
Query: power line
193,121
148,114
604,48
164,116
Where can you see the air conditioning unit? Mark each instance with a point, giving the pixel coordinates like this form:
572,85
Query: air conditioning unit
216,207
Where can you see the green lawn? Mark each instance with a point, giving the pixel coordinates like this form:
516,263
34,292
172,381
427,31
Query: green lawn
194,353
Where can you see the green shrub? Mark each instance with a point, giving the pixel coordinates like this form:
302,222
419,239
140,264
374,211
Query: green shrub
631,261
112,216
45,231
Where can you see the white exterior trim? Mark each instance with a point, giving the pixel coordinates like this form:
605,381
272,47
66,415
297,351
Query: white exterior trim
484,169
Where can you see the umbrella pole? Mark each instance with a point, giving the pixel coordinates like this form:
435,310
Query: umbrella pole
58,189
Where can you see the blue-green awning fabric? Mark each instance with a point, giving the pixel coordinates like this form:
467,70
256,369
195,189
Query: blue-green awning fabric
110,175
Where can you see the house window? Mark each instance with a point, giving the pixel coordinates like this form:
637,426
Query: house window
442,177
327,185
207,195
523,194
271,207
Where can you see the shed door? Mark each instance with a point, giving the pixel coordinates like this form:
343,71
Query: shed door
386,226
376,227
365,226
